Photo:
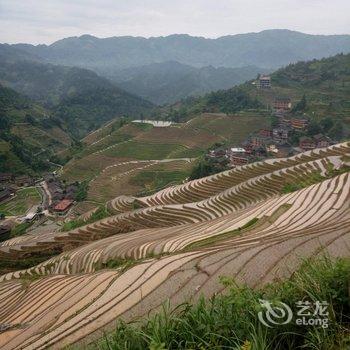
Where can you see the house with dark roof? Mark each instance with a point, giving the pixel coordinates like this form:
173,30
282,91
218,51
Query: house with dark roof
307,143
299,124
280,134
5,194
282,103
322,141
6,177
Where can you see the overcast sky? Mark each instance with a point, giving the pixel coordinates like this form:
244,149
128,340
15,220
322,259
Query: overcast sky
45,21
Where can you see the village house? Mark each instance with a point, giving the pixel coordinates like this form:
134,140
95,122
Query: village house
264,82
299,124
284,151
280,134
256,142
265,133
282,104
271,148
260,151
322,141
217,153
238,159
284,122
62,207
30,217
307,143
248,147
6,178
235,150
5,194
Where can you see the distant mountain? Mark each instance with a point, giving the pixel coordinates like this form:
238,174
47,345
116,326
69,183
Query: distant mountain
79,97
171,81
29,134
267,49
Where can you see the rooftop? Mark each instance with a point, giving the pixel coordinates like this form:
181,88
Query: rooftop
63,205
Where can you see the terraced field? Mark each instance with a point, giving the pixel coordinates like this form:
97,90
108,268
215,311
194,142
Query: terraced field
127,149
175,244
23,200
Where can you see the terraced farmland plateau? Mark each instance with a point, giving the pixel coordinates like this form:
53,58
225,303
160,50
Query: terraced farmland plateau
115,156
175,244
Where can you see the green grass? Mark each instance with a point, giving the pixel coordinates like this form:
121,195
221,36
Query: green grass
230,320
155,180
99,214
218,238
144,151
20,229
24,200
116,263
188,153
313,178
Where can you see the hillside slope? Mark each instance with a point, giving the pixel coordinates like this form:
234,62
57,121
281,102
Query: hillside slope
237,224
125,158
29,134
79,97
169,82
325,84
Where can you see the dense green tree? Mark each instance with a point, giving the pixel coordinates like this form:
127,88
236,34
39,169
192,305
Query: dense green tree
337,131
326,124
301,105
314,128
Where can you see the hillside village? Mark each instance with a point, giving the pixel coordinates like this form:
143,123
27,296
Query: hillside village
287,137
53,199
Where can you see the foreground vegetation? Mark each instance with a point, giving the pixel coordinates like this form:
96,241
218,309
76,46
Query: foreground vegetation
230,321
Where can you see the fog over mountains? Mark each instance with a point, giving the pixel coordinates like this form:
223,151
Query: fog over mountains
164,69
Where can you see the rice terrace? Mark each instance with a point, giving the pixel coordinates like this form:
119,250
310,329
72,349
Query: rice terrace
164,191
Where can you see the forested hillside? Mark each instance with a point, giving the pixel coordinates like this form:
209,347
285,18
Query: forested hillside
171,81
79,97
317,88
29,135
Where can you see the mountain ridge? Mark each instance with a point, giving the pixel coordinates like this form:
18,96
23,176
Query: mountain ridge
171,81
197,51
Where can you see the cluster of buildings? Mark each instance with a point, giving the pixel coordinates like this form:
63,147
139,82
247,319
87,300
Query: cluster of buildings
273,142
19,181
237,155
318,141
9,184
61,195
